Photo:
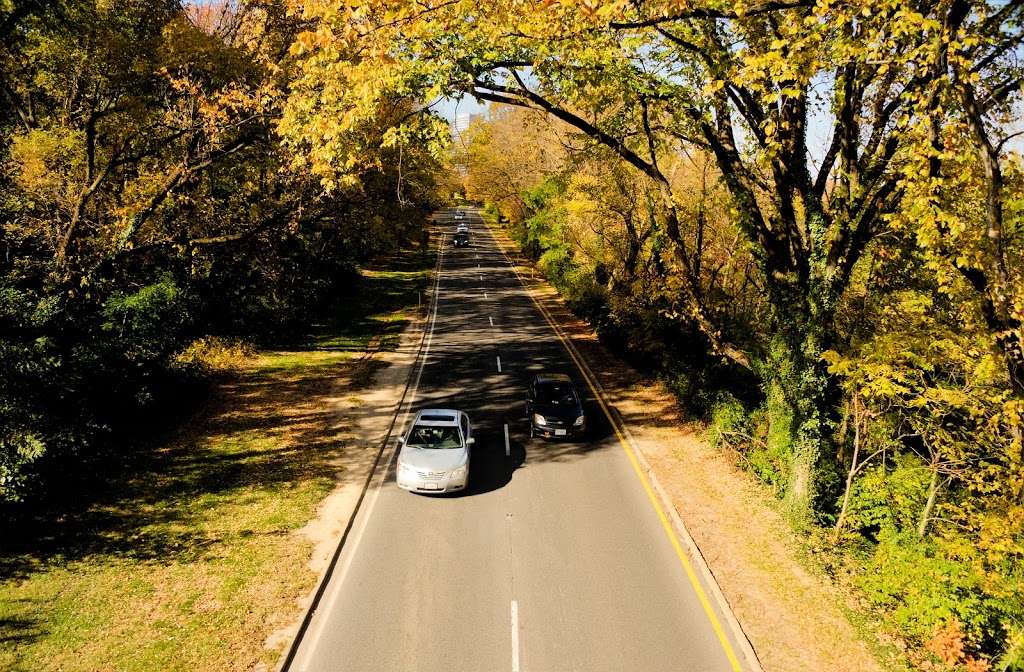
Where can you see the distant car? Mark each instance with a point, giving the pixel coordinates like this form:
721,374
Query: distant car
462,228
554,407
459,214
435,452
461,239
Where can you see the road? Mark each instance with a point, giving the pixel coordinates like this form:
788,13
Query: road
554,559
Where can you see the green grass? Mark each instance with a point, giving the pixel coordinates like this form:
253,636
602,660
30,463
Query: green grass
186,559
381,303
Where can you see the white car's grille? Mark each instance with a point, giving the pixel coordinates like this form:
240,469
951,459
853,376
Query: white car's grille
431,475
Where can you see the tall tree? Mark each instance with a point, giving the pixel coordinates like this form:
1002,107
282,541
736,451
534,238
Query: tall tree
749,82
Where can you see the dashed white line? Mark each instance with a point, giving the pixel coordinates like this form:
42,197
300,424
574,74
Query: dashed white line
508,450
485,295
499,363
515,636
481,277
491,320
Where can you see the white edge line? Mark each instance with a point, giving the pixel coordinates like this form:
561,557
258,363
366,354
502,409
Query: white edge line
508,450
515,636
499,363
338,579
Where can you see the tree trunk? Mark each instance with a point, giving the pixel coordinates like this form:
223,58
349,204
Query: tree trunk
853,467
929,506
806,324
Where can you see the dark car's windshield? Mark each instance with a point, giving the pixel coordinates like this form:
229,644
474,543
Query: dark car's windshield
557,394
426,436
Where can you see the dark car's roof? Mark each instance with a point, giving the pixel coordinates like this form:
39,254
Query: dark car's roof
552,378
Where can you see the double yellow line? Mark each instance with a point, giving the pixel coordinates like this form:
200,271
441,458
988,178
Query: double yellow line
666,524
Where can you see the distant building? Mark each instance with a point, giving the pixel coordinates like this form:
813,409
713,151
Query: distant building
461,125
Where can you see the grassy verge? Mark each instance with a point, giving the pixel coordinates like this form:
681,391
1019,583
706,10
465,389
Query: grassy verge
186,558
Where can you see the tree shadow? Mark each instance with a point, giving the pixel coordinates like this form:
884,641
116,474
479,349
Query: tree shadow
19,631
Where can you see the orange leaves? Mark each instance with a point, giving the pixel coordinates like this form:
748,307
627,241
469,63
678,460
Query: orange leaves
948,645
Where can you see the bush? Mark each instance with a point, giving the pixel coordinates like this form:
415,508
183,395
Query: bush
730,422
923,589
215,353
770,453
148,324
18,450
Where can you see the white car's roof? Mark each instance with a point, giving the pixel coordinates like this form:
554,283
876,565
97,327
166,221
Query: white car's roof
437,417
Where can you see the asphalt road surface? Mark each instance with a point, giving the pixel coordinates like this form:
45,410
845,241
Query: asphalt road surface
554,558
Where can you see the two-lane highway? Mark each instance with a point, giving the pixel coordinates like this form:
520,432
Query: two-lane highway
555,558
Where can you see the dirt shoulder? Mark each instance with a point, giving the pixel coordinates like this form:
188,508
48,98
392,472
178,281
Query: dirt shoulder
796,619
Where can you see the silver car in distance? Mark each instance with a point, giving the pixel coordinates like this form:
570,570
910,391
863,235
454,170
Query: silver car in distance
435,452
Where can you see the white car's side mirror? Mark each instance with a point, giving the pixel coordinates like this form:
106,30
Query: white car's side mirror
400,441
470,441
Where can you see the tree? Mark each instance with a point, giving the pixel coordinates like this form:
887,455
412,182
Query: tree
745,82
146,200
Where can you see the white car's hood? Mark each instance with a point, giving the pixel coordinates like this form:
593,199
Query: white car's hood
434,459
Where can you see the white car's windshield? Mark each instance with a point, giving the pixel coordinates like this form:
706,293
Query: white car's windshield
425,436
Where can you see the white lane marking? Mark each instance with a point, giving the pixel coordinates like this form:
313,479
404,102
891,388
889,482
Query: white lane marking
327,607
481,277
491,320
508,450
485,295
515,636
499,363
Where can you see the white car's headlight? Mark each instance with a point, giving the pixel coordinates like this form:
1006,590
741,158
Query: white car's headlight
405,468
579,421
539,419
460,472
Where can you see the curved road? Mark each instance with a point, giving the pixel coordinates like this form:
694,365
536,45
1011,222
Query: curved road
554,559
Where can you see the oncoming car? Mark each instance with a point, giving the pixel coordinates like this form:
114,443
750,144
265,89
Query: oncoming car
554,407
435,452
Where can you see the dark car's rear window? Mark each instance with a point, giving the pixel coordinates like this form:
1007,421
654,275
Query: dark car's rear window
437,418
556,393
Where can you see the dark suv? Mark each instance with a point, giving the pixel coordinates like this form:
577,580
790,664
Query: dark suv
461,239
554,407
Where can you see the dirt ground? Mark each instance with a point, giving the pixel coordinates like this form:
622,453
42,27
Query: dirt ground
796,619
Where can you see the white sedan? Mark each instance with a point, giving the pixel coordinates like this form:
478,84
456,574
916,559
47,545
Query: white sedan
435,452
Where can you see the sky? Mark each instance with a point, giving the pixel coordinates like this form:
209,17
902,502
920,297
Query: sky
449,107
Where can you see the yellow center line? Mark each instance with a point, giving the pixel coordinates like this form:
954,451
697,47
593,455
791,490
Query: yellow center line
665,522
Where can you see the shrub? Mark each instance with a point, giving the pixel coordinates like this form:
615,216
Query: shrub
923,589
18,450
730,422
215,353
147,324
